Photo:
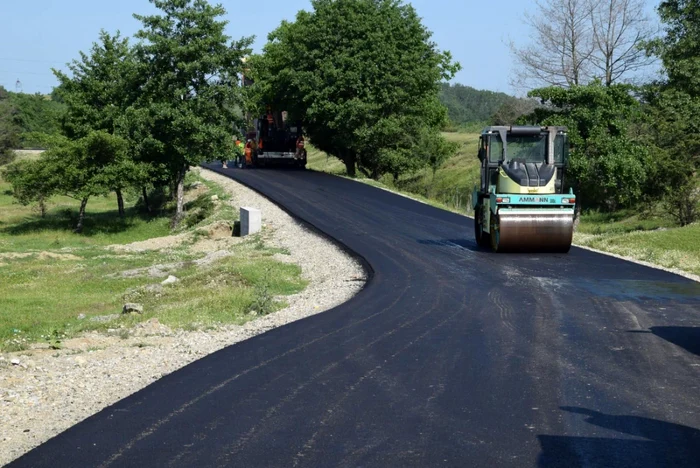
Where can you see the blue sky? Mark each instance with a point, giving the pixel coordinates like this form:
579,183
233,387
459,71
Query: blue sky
40,34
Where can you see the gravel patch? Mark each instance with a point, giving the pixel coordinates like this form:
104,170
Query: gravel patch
44,392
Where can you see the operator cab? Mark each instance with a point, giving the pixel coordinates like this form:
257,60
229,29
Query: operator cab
526,156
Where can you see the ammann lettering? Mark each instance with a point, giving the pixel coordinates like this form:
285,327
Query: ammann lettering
534,200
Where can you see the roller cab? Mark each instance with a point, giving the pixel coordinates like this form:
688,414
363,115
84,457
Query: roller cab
520,204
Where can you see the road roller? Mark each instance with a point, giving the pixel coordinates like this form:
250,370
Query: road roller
520,204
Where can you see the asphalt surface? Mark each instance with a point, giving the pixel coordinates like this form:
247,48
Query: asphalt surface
451,356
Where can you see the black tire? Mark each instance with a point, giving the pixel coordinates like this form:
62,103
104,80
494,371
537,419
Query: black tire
479,234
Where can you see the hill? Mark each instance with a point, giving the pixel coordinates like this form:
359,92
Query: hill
467,105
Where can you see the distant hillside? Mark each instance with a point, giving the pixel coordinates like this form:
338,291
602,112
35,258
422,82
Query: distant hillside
34,113
467,105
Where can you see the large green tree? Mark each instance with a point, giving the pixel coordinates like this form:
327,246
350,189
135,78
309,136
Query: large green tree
102,86
364,78
9,132
608,168
185,113
675,105
76,167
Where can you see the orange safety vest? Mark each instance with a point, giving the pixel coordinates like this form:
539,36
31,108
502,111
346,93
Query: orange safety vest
248,153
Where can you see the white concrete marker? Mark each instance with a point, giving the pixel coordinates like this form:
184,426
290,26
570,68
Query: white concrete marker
251,220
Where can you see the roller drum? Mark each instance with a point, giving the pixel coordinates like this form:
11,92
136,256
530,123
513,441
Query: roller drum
533,231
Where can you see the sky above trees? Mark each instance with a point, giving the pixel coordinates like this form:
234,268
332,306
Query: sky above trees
45,34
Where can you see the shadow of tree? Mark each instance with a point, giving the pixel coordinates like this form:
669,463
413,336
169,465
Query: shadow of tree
106,222
687,338
657,444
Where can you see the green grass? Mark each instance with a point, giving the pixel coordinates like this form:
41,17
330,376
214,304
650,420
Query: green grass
652,238
51,277
22,228
227,292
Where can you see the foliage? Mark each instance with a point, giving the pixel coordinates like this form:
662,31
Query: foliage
512,110
364,78
101,87
574,42
679,49
9,132
467,105
35,113
683,203
607,168
32,182
185,109
675,104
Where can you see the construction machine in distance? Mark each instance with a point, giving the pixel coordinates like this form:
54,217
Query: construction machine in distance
278,141
520,204
272,139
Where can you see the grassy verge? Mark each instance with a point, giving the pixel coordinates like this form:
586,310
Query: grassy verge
653,238
55,284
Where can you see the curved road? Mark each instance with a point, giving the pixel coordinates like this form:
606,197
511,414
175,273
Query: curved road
451,356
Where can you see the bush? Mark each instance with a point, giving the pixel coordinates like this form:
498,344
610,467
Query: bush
7,157
683,203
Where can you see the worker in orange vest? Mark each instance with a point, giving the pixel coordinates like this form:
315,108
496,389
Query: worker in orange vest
249,153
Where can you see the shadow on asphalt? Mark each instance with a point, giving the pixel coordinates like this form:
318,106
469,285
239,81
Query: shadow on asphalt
656,444
687,338
283,167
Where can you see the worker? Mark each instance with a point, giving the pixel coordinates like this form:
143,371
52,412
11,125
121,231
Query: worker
249,153
239,151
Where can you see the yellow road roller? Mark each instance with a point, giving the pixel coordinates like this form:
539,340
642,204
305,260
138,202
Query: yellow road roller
520,204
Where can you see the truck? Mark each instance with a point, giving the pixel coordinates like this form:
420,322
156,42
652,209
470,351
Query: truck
278,141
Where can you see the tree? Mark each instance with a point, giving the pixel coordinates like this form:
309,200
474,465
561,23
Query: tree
35,114
103,85
512,110
79,168
560,49
675,104
363,77
619,29
185,110
607,168
679,49
9,132
576,41
32,182
468,105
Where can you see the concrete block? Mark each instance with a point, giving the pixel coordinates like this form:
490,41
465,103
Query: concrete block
251,220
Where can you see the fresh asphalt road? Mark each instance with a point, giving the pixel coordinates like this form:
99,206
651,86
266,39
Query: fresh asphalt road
451,356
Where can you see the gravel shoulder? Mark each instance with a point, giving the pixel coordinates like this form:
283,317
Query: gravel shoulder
44,392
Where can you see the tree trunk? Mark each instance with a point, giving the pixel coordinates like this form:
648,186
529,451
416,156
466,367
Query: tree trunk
349,161
144,192
180,210
120,203
81,216
42,207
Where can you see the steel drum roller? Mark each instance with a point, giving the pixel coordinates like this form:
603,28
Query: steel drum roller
534,230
